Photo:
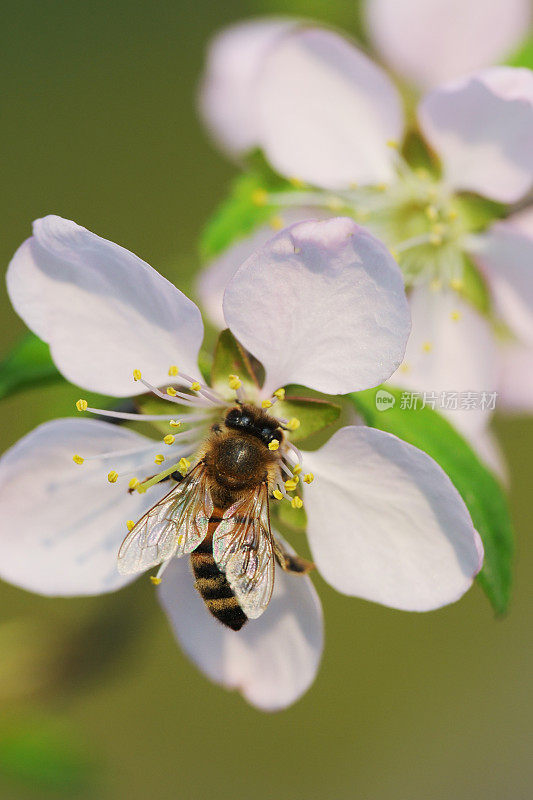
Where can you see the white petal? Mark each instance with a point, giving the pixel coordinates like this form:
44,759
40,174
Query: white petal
516,378
326,111
431,41
385,522
322,304
62,523
216,276
482,128
451,351
228,90
273,660
506,256
103,311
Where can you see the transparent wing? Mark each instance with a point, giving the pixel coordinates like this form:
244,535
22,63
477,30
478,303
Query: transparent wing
174,526
243,549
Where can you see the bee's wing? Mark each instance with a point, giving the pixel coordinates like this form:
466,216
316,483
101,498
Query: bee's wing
174,526
243,549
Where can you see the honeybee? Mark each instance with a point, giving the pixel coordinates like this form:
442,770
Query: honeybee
219,514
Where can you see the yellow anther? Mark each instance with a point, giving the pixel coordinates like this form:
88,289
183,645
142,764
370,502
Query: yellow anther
171,391
452,214
293,424
266,404
427,347
130,524
277,494
297,469
456,284
195,386
159,459
184,465
134,483
81,405
297,250
298,183
280,394
259,197
169,438
382,187
455,315
393,144
404,367
435,239
309,477
334,203
173,370
137,375
274,444
175,423
181,539
296,502
291,484
432,213
435,285
234,382
276,223
155,580
439,229
112,476
78,459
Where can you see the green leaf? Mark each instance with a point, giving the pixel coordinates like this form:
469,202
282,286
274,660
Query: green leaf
28,364
474,288
239,214
313,413
231,359
481,491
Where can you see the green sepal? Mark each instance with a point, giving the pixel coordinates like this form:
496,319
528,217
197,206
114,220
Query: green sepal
477,212
474,289
484,497
314,413
239,214
524,56
295,519
29,364
231,359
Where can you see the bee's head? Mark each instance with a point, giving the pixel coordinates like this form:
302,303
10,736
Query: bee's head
254,422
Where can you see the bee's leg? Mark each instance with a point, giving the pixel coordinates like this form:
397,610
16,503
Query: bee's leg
289,562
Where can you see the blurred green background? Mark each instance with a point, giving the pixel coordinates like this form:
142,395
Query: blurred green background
97,700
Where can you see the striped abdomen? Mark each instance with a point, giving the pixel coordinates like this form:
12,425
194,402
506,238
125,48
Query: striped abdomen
213,586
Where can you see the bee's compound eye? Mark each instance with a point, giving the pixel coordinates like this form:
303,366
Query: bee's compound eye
268,435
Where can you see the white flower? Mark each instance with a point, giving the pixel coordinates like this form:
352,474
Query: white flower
430,41
325,114
321,304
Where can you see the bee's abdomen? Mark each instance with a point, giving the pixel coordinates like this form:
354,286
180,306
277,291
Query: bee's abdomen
214,588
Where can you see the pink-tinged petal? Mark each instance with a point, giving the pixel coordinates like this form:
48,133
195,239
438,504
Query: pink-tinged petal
228,89
452,356
216,276
522,221
272,660
63,523
482,128
385,522
431,41
102,310
516,378
326,112
322,304
506,256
